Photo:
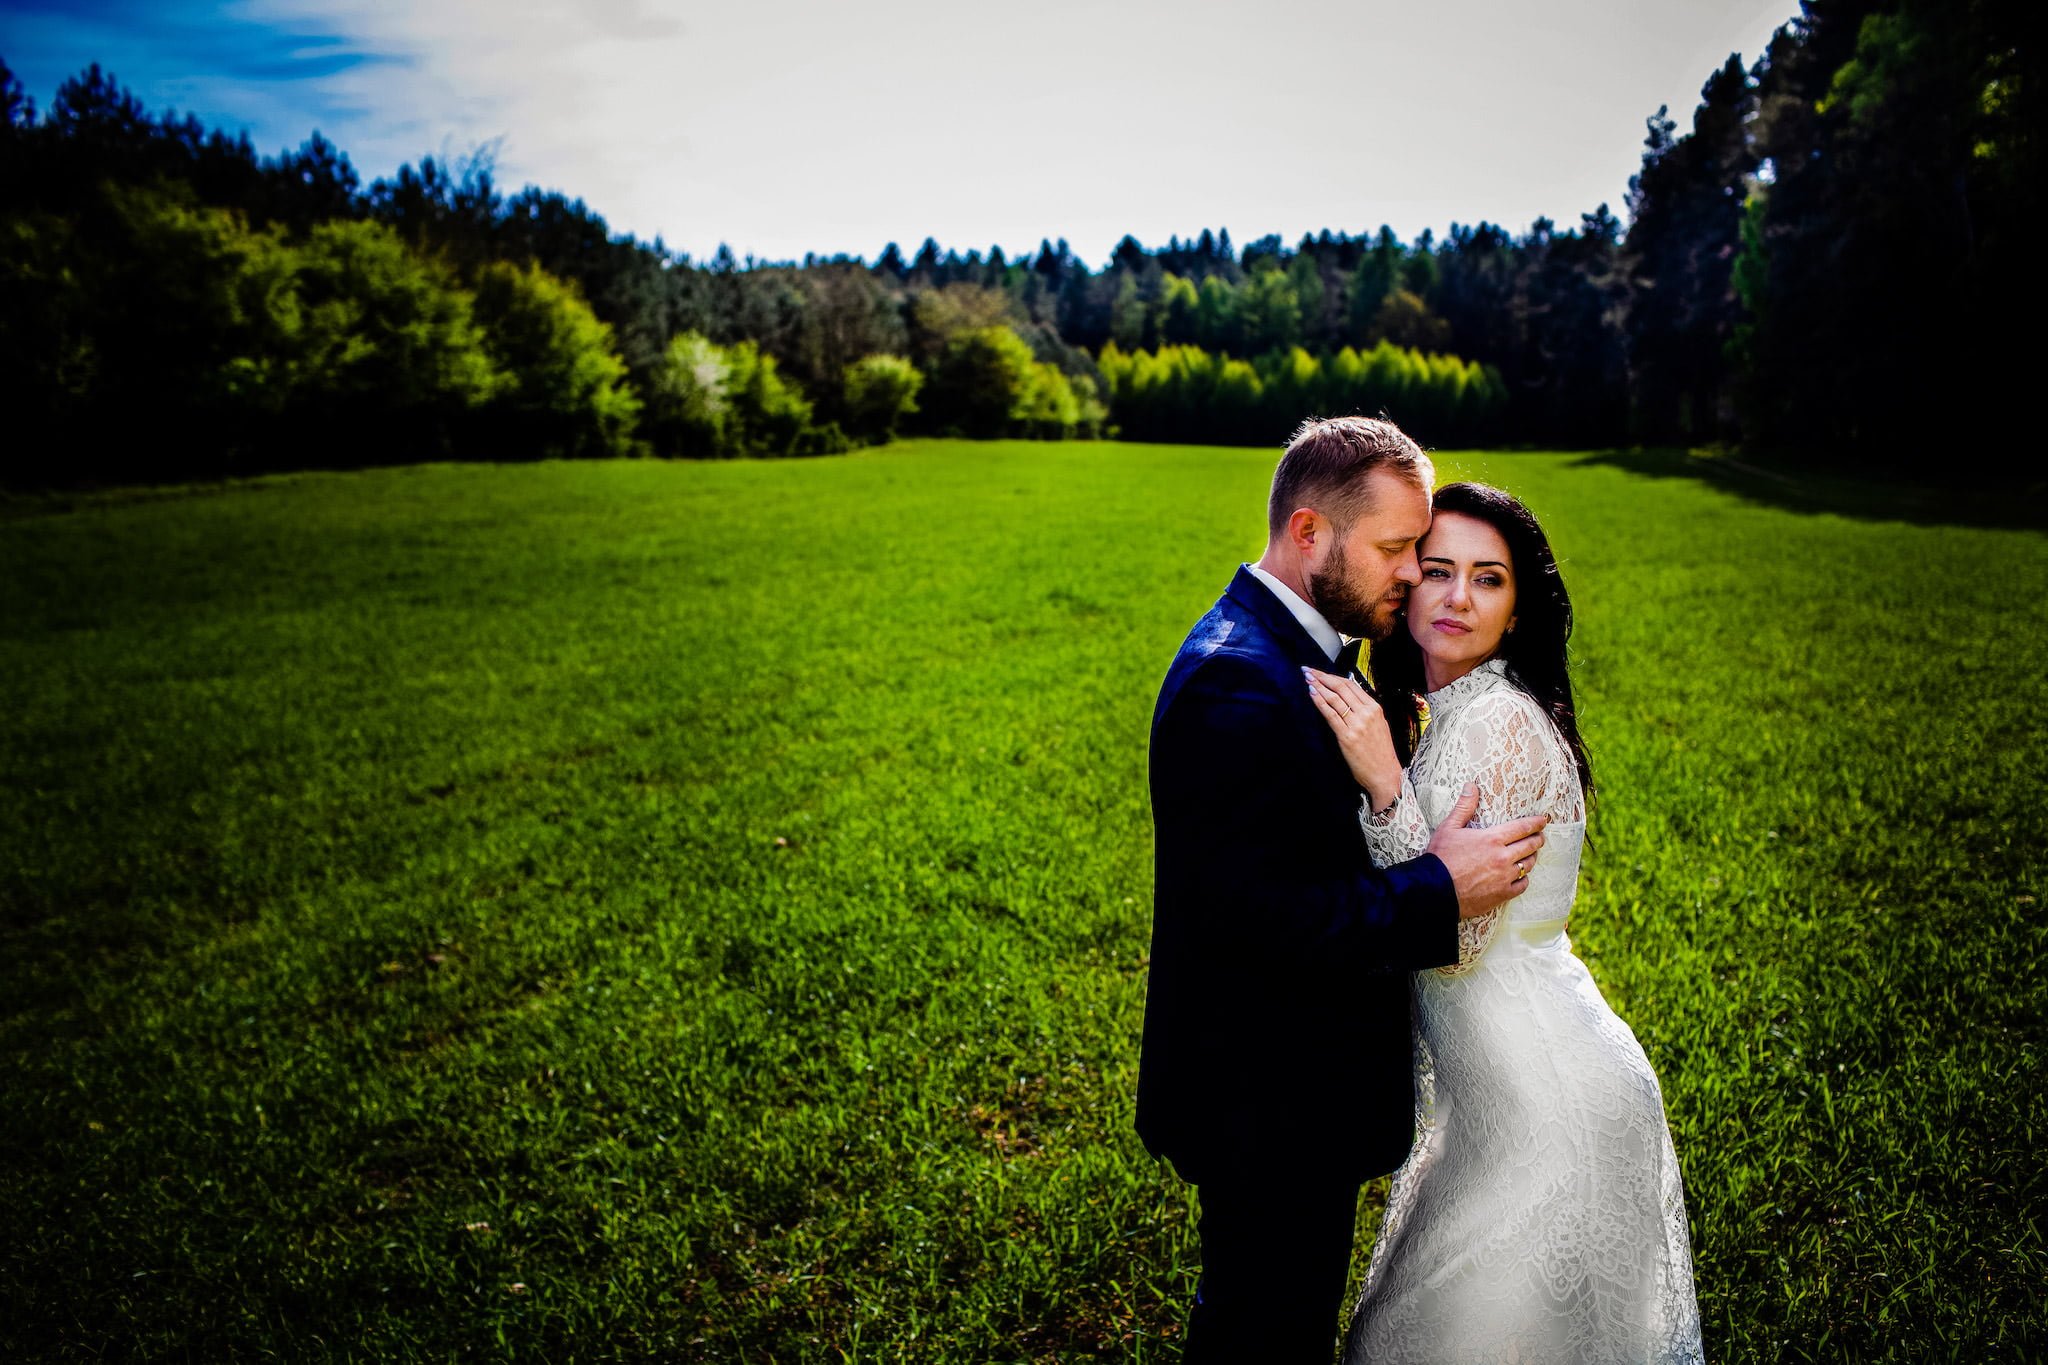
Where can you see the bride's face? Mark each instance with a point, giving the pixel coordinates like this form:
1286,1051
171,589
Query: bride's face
1466,600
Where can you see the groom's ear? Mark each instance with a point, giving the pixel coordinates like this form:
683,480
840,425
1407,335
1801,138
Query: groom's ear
1305,529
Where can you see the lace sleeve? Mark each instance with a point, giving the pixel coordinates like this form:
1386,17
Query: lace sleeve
1508,747
1398,833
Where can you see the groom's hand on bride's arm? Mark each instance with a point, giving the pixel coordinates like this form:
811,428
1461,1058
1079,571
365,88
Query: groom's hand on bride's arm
1487,865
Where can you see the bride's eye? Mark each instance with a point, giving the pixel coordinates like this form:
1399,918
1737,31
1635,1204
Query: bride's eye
1435,573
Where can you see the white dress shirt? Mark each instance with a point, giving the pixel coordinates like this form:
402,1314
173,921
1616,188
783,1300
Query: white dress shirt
1319,630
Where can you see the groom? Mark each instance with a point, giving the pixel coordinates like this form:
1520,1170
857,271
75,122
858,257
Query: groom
1275,1072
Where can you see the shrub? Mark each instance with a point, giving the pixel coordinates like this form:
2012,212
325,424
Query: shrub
982,383
1184,393
392,356
712,401
567,392
879,392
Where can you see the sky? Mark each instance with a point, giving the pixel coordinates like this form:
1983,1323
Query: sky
786,128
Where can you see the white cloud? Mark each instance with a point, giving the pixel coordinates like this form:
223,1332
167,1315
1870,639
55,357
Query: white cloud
786,128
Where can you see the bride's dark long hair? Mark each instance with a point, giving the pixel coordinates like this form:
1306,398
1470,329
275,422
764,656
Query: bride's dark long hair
1534,651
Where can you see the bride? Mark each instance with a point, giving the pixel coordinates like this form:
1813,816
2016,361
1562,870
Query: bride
1539,1216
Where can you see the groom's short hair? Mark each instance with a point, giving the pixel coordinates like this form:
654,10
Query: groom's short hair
1326,464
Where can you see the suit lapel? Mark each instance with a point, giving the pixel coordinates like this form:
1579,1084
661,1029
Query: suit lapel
1299,647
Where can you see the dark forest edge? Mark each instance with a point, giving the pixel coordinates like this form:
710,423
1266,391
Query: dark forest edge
1816,273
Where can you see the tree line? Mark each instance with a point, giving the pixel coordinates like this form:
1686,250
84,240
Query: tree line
1815,269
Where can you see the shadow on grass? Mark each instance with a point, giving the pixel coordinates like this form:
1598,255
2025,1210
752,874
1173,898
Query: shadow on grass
2016,502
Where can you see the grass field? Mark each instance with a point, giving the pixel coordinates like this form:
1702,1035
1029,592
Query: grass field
637,911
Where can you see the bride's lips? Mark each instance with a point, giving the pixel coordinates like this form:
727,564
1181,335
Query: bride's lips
1450,627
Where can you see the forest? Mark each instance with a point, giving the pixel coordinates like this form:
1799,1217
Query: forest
1817,271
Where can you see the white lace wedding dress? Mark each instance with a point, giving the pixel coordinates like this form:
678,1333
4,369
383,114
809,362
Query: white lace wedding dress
1539,1217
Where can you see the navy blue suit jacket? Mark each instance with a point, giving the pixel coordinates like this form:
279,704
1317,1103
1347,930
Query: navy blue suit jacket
1276,1011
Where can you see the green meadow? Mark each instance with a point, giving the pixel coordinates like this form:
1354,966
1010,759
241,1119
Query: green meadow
698,911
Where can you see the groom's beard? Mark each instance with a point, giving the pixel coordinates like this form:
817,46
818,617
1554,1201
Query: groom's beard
1346,608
